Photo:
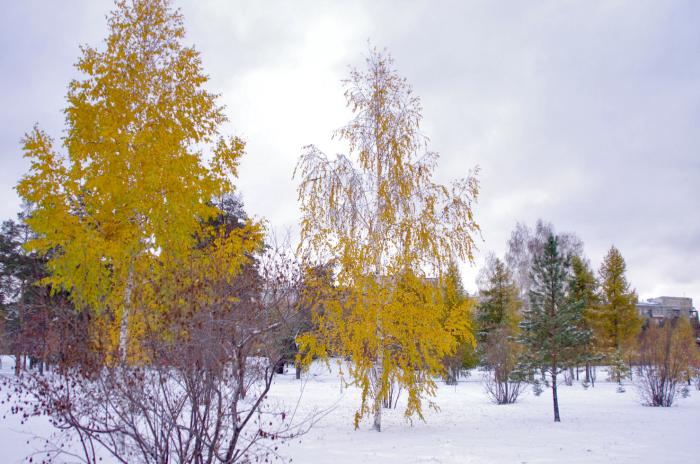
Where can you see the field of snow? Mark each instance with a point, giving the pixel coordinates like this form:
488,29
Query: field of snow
599,425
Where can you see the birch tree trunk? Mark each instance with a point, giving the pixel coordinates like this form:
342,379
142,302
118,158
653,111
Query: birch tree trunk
379,363
378,372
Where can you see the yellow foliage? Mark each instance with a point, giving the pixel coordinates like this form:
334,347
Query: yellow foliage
131,193
390,233
616,321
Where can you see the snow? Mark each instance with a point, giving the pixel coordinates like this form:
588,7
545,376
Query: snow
598,425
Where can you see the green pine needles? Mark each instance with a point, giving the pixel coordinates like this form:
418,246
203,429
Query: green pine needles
552,332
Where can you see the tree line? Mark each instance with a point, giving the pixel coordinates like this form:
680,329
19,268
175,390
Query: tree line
543,313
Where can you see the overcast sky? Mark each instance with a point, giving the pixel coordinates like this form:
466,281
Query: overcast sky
585,114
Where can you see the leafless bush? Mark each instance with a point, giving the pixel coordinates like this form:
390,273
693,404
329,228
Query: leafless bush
163,415
667,354
201,395
502,391
501,378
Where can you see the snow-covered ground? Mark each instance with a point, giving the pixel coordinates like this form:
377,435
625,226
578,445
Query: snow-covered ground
599,425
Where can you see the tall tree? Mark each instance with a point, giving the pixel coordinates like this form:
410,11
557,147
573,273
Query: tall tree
619,323
138,229
551,325
390,229
132,189
583,288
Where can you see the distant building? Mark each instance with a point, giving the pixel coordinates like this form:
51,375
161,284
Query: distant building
668,307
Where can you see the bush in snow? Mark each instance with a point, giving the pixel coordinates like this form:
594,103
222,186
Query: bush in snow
502,382
199,392
667,355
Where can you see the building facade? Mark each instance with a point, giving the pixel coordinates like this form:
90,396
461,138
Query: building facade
668,307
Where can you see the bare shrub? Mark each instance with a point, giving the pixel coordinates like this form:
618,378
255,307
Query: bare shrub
500,391
502,380
667,353
199,394
163,414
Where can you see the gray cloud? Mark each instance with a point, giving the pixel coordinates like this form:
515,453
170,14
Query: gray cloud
582,113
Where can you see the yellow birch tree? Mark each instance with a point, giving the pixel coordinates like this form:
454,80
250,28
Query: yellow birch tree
390,232
131,191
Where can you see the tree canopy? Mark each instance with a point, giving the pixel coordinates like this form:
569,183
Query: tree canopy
391,232
130,193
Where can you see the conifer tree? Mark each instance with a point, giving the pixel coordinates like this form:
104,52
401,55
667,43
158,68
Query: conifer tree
583,287
391,231
499,304
551,325
617,321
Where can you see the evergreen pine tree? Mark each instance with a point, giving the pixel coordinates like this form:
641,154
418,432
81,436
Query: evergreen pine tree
551,327
617,320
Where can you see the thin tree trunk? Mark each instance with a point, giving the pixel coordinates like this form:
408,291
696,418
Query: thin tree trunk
555,399
377,425
631,370
378,364
124,327
18,352
43,362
